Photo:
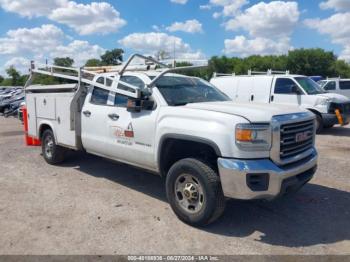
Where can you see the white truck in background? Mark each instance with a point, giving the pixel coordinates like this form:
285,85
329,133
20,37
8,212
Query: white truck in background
286,89
336,85
180,127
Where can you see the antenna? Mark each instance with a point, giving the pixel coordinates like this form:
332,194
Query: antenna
174,62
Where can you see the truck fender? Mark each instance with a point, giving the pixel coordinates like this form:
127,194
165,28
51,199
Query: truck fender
43,126
188,138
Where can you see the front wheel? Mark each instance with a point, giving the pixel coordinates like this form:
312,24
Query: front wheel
319,124
52,153
194,192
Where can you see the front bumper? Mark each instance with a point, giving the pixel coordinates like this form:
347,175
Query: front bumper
262,178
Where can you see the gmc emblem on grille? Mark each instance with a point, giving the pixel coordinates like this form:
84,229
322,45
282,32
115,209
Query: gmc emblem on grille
300,137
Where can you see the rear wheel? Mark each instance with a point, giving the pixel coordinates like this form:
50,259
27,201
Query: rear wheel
53,153
194,192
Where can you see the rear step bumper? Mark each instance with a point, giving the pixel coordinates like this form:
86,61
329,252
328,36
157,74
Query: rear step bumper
262,178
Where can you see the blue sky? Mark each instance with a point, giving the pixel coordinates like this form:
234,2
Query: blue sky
196,29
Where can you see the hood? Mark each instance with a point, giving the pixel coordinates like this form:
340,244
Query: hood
254,112
334,97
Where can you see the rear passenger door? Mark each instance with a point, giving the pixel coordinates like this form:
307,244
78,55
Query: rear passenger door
94,120
286,91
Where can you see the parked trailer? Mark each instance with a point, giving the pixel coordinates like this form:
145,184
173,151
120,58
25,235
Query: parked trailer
180,127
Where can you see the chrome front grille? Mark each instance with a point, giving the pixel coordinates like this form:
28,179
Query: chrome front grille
296,138
293,137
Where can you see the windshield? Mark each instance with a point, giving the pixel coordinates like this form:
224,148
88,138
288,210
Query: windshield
183,90
310,86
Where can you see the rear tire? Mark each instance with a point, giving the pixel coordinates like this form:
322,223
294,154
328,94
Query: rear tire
52,153
194,192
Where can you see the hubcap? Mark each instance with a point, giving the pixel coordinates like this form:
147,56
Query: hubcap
189,193
49,146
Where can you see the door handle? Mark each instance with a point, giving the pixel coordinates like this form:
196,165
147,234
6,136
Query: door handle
272,97
113,117
87,113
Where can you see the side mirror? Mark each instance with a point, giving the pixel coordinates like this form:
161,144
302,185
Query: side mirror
133,105
136,105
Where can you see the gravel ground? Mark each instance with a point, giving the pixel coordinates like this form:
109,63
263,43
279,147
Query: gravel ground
90,205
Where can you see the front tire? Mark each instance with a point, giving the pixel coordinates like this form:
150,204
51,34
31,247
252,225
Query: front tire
319,124
194,192
52,153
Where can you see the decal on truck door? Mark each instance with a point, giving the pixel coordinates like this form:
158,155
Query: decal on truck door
124,135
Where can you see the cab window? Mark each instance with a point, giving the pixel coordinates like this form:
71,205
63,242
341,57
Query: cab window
120,100
344,85
285,86
99,96
101,80
329,86
132,80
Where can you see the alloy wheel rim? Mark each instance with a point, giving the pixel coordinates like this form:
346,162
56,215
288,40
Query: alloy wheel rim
189,193
49,146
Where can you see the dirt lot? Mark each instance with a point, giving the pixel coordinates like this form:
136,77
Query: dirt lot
94,206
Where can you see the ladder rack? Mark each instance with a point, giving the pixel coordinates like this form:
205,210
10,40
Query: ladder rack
86,75
251,73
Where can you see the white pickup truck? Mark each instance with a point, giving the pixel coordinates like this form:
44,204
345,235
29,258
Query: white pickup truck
181,128
287,89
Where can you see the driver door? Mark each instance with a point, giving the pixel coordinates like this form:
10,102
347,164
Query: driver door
286,91
131,135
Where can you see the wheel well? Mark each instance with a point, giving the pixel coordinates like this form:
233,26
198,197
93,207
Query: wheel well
315,112
42,129
174,149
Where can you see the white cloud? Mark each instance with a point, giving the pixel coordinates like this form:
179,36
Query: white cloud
190,26
229,7
338,5
31,8
80,51
40,43
31,40
181,2
155,42
100,18
337,27
242,46
205,7
20,63
93,18
269,26
274,19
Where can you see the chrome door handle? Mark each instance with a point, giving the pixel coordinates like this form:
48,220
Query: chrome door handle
113,117
87,113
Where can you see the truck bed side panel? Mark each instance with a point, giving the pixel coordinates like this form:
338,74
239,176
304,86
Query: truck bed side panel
64,134
31,108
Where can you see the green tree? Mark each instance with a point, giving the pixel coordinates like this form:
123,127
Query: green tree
93,62
63,61
314,61
1,79
14,75
342,69
113,57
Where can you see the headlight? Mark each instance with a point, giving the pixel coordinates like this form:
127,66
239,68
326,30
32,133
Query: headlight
252,137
